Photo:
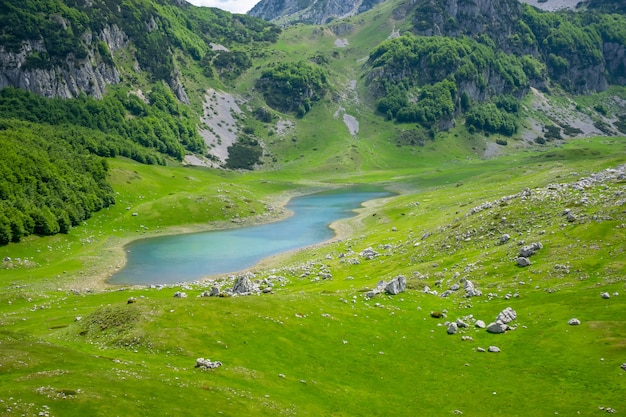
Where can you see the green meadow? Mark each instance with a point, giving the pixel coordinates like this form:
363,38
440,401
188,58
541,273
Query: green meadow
72,345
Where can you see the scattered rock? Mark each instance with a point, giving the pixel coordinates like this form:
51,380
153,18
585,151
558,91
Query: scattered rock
623,366
243,285
480,324
180,294
452,328
461,324
605,295
131,300
479,349
205,364
471,290
369,253
436,314
215,291
521,261
505,238
396,285
530,250
497,327
507,315
494,349
573,322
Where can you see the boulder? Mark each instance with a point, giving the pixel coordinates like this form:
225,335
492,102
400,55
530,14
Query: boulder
215,291
452,328
497,327
522,261
369,253
505,238
461,324
494,349
471,290
530,250
507,315
480,324
396,285
479,349
205,364
180,294
243,285
623,366
573,322
605,295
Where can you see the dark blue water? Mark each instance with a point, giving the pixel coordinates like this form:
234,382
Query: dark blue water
188,257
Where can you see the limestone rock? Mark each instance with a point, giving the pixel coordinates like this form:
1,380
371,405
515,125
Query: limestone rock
480,324
507,315
605,295
530,250
573,322
243,285
497,327
205,364
396,285
521,261
369,253
452,328
180,294
494,349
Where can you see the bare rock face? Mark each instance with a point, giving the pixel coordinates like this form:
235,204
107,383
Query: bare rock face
317,12
67,79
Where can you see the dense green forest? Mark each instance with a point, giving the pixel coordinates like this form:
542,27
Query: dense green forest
48,181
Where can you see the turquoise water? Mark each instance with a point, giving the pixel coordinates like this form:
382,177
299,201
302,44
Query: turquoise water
188,257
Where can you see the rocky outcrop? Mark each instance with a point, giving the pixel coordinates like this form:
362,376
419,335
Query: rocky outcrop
317,12
71,76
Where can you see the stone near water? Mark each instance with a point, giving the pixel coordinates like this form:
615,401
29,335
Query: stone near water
243,285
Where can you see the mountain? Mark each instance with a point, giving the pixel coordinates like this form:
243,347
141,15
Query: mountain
315,12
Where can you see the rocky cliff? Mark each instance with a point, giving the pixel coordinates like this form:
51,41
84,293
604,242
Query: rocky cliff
316,12
68,78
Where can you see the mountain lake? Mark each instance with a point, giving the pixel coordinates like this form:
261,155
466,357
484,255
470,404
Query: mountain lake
189,257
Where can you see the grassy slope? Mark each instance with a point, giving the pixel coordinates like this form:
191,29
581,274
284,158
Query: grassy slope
338,357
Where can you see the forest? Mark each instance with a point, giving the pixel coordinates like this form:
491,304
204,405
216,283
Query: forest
48,182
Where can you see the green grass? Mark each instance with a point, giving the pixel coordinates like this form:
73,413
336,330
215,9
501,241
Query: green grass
318,347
